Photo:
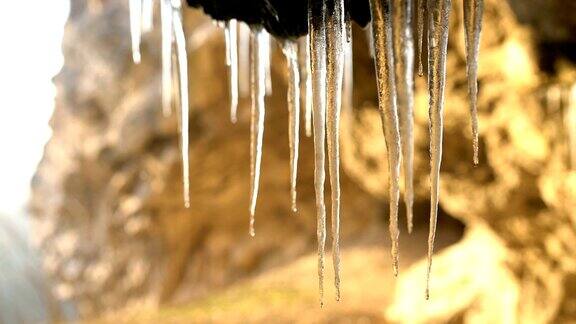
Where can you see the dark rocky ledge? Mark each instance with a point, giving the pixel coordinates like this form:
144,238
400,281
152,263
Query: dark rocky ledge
283,18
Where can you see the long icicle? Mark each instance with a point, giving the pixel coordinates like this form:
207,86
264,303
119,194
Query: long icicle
317,29
384,61
439,13
404,64
167,40
473,10
231,36
306,80
290,49
135,7
420,24
184,102
335,37
258,40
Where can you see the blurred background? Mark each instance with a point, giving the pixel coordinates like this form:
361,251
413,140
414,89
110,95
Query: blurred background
93,226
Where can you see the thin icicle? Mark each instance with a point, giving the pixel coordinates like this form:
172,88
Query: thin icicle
370,39
135,7
244,59
267,60
231,33
166,18
404,64
258,41
290,50
439,13
384,61
306,79
420,23
147,15
335,38
348,87
473,10
570,121
317,28
182,56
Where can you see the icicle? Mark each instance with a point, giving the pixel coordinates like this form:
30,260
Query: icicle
166,17
473,26
258,42
147,15
420,23
570,121
404,65
267,60
348,87
231,33
384,61
335,37
439,13
370,39
306,79
317,29
290,51
244,60
182,57
135,7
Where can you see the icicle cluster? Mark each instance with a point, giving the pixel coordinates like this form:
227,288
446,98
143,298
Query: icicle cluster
393,47
320,79
174,66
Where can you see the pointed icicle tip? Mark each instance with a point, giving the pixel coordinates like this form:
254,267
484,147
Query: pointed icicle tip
135,8
404,67
473,11
438,18
182,58
317,28
258,42
384,63
290,50
335,39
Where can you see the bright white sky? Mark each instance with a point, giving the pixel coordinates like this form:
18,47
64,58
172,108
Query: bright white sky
30,36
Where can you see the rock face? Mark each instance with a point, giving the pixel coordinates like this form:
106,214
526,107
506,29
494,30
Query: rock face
107,196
